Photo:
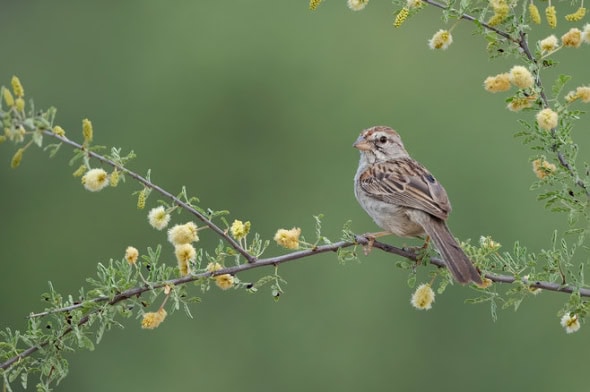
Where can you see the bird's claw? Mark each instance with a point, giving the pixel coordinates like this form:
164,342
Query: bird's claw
371,237
419,251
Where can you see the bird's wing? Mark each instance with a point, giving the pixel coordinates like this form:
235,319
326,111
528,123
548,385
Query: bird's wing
405,182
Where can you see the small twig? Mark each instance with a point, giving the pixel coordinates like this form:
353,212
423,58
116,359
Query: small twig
161,191
472,19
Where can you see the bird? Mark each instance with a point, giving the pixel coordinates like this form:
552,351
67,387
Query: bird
405,199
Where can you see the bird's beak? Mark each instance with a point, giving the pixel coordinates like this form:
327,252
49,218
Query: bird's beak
362,144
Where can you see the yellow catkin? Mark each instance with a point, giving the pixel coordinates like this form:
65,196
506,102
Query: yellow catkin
534,13
17,158
114,178
87,130
19,103
141,199
501,11
80,171
313,4
17,87
401,16
59,131
8,98
551,16
576,16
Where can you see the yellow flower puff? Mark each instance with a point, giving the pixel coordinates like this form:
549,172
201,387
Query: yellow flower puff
570,322
158,218
288,238
517,104
521,77
95,180
572,39
532,289
131,255
549,44
582,93
423,297
487,243
357,5
153,320
212,267
487,282
185,253
224,281
183,234
239,229
442,39
542,168
547,119
497,83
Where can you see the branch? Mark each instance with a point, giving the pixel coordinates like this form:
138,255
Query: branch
161,191
522,43
359,240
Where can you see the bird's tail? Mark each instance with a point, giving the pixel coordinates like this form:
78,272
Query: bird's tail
456,260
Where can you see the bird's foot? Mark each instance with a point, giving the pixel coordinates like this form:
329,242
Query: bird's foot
419,251
371,237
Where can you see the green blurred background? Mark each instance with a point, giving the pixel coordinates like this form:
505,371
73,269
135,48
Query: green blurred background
254,105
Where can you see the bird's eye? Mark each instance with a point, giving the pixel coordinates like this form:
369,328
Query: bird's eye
383,139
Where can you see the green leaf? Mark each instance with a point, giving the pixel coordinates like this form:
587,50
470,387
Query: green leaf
559,84
412,280
53,149
38,138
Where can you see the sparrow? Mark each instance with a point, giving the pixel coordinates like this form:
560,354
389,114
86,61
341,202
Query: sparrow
405,199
